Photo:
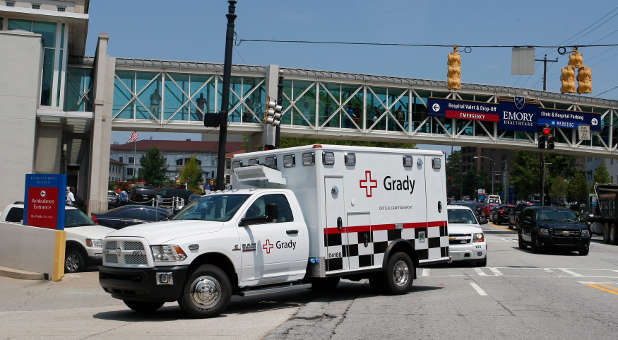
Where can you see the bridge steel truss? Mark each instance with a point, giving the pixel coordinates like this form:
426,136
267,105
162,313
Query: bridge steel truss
155,95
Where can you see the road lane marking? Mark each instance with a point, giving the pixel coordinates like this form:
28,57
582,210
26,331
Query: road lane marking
495,271
425,272
572,273
480,272
478,289
615,292
548,270
503,228
608,286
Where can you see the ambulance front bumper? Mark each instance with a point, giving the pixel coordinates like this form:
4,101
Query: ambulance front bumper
144,284
470,251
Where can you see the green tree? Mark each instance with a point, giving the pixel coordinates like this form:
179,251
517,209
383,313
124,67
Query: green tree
454,175
578,188
153,167
525,174
191,174
558,188
601,175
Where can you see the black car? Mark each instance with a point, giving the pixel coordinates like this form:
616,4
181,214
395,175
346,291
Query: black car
142,195
544,227
129,215
501,213
515,212
476,207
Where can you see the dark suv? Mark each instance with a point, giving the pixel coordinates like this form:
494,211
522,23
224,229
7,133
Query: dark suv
541,227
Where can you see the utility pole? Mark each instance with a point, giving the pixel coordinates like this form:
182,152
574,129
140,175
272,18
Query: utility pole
543,177
225,100
545,61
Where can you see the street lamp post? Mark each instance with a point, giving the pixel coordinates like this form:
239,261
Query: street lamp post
492,170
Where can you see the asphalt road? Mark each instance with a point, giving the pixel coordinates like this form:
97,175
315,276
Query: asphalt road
518,295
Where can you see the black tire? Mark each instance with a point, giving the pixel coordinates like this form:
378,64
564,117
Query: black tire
143,307
325,284
399,273
211,302
482,263
585,250
605,230
534,245
520,242
74,260
613,234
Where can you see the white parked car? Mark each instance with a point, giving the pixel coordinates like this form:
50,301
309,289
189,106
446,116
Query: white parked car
84,237
466,238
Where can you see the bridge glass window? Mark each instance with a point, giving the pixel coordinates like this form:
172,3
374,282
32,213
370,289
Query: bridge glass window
254,92
397,100
304,95
124,86
149,103
78,90
176,97
203,96
376,106
352,113
329,114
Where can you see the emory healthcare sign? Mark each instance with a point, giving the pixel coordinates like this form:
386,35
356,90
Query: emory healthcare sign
44,201
516,115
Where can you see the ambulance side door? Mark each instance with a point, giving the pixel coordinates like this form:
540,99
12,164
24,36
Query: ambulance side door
437,235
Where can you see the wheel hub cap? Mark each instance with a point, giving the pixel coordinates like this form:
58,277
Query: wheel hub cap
401,273
71,263
205,291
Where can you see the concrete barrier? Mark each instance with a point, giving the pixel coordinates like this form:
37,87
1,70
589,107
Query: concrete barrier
31,249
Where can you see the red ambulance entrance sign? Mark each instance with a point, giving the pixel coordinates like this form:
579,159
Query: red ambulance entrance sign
44,201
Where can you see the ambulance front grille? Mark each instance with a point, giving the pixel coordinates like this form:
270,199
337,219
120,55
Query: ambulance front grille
129,253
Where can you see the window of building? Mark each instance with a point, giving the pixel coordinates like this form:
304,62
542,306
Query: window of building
36,6
48,36
131,160
120,159
61,8
10,3
129,171
179,162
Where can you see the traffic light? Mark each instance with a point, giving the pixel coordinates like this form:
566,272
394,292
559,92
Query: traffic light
568,79
576,60
550,142
454,70
272,114
584,80
541,142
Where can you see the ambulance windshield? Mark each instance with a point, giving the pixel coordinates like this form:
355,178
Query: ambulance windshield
218,208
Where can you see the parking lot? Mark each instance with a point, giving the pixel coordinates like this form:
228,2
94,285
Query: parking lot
518,295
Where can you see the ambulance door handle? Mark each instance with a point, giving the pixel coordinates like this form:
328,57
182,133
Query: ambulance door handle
291,232
339,223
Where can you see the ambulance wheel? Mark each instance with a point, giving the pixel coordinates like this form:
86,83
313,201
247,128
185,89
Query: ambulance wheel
206,293
399,273
325,284
143,307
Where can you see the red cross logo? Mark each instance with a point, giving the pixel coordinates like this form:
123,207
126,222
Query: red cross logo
267,246
368,183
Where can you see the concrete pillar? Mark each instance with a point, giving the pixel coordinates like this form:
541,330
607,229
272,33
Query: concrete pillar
20,88
48,149
103,89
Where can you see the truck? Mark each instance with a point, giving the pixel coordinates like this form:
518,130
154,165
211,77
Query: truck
605,212
296,218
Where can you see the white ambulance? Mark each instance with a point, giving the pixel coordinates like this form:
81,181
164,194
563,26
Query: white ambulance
297,216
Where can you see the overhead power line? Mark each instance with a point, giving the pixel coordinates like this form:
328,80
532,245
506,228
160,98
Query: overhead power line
398,44
608,90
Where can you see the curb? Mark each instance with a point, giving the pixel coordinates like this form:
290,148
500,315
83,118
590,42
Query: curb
20,274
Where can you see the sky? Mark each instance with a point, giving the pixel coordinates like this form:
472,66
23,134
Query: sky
194,30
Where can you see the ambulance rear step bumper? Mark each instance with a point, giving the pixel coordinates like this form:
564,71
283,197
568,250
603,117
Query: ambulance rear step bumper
275,289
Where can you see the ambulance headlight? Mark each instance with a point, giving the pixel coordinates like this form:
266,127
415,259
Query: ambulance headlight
350,159
167,253
308,158
328,158
289,161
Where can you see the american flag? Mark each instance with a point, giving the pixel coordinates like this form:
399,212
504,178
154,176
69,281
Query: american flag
133,137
